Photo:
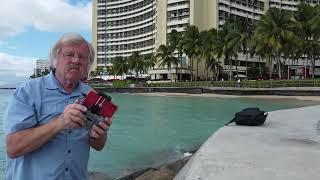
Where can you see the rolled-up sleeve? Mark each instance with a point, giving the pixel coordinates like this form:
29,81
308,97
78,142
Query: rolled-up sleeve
21,113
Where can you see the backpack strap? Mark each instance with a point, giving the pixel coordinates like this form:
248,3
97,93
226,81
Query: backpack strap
233,120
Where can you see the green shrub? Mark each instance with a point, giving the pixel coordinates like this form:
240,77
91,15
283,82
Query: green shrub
246,84
121,83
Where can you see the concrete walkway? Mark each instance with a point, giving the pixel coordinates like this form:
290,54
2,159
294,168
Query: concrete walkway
287,147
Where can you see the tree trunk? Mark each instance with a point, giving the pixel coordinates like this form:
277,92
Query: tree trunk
260,67
217,73
279,68
197,61
137,76
237,68
191,63
270,68
206,71
247,64
230,65
313,65
175,78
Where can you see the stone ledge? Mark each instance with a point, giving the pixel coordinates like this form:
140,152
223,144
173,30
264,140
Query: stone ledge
286,147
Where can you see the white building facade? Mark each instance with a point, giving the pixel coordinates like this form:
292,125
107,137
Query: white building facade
121,27
41,66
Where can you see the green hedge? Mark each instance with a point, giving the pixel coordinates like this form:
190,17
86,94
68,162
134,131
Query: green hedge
247,84
121,83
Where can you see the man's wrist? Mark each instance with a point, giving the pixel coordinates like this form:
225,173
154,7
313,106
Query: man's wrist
58,122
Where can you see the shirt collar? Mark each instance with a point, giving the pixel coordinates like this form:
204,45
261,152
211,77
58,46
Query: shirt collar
52,83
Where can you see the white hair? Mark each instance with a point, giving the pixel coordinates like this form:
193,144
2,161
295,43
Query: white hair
69,38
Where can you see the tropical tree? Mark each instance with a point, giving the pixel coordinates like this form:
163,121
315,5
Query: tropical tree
120,66
32,76
92,74
136,63
150,61
308,25
99,71
166,58
215,67
245,30
226,45
175,43
191,46
109,70
275,30
206,40
45,72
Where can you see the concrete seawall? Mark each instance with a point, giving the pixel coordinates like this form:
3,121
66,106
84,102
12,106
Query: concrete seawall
286,147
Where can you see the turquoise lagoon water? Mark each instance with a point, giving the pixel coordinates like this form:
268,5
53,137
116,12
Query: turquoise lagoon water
151,130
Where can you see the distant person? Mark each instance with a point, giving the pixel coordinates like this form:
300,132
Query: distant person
44,124
238,82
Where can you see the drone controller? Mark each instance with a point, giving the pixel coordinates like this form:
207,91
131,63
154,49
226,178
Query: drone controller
99,106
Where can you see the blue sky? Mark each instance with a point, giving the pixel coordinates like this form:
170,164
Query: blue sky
28,29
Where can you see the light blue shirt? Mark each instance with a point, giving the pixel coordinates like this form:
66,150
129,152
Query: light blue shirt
65,156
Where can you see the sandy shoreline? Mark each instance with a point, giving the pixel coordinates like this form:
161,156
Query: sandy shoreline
302,98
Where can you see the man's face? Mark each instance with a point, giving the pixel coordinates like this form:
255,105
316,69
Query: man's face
73,61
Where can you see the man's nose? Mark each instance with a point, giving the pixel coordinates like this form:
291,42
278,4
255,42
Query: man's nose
76,58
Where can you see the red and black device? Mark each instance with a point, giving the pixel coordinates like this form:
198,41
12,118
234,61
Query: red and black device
99,106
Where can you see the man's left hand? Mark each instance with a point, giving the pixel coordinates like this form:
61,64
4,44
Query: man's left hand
100,131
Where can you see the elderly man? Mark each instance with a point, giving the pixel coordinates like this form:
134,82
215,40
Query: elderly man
44,124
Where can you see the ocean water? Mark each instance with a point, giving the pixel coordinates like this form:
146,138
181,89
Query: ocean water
151,130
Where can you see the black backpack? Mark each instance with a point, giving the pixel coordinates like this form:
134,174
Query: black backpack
250,117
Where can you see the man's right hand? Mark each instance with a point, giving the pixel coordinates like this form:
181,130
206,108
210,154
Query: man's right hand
73,116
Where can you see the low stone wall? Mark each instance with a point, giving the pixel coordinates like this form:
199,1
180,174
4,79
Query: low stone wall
282,92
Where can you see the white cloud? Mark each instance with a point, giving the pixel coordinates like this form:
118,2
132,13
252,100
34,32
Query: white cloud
6,45
15,69
44,15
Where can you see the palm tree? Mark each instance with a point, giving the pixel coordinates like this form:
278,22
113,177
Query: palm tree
191,45
136,63
245,31
308,26
206,40
175,43
45,72
32,76
215,67
99,71
92,74
226,45
263,51
166,58
120,66
150,61
274,31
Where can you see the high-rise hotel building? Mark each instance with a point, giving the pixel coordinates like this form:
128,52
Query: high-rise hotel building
121,27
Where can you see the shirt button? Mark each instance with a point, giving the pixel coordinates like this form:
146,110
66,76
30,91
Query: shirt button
69,151
67,169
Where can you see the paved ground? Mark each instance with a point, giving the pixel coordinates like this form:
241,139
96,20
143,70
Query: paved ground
287,147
